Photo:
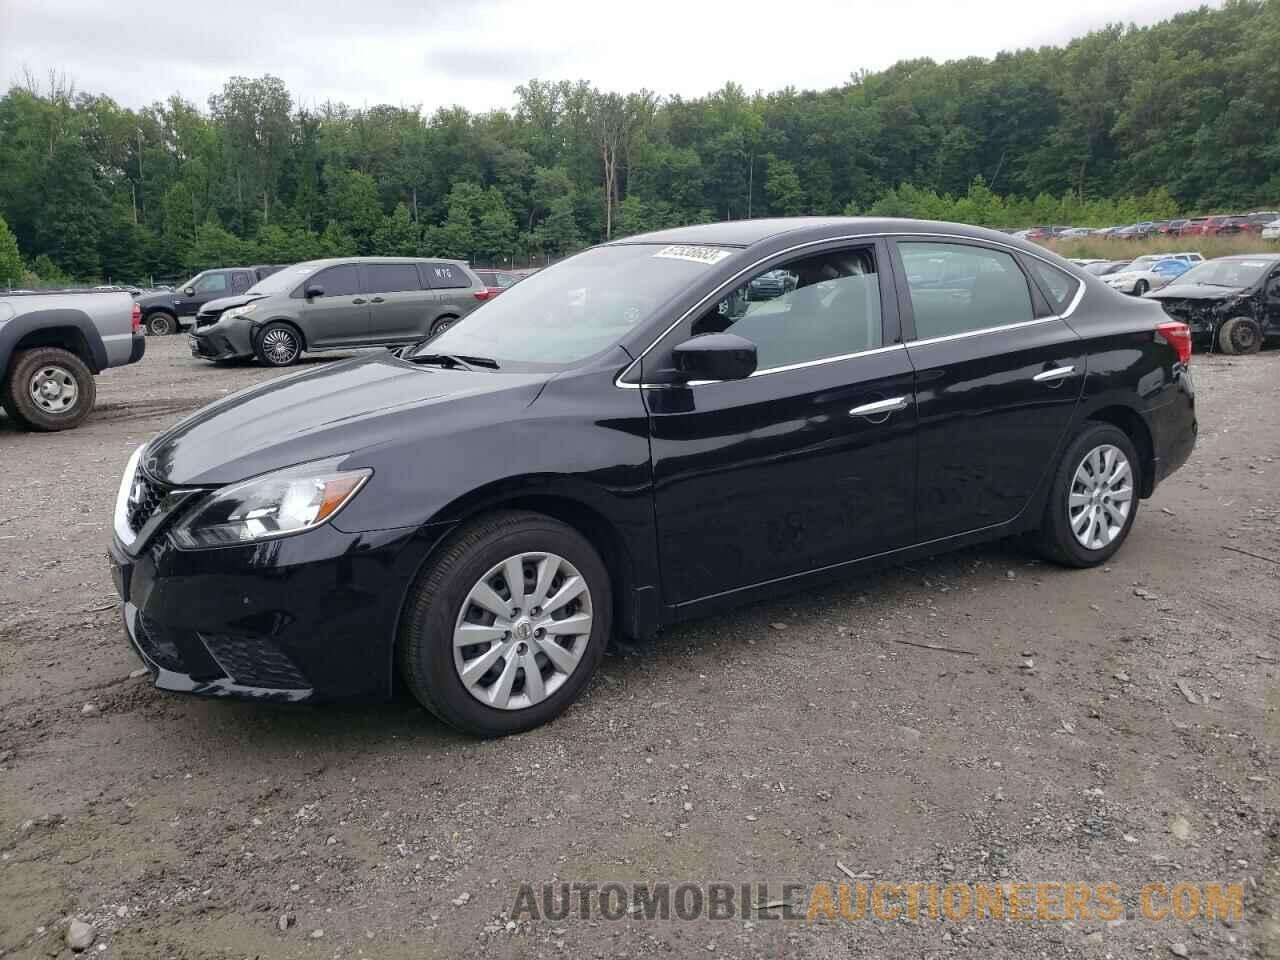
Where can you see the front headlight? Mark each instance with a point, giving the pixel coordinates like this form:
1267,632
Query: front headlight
273,505
243,311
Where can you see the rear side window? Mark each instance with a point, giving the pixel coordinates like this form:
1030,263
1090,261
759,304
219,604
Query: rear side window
339,281
391,277
240,281
959,288
445,276
1058,287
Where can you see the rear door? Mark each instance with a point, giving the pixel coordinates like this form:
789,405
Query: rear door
399,308
452,292
997,376
341,315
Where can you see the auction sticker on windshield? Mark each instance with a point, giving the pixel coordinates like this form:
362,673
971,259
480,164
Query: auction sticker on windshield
707,255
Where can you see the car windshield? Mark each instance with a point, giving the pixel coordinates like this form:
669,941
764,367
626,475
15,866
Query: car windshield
578,307
1227,273
282,281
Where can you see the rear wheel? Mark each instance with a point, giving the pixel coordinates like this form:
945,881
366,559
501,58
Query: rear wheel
442,324
504,629
1140,288
1240,335
278,345
162,324
48,389
1094,498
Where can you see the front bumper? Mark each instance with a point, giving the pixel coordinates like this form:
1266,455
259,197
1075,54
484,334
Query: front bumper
222,340
307,617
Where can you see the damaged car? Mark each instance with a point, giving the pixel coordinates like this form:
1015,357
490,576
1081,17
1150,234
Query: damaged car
1231,304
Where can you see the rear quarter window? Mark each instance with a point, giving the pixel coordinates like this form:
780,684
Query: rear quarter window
445,276
1057,285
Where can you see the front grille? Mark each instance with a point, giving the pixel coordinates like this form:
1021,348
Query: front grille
254,662
206,320
144,499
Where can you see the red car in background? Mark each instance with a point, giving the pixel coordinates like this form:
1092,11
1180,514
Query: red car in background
1254,222
1218,225
495,281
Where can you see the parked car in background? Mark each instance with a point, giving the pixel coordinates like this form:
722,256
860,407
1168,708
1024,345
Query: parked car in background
1171,228
771,285
1231,303
1217,225
164,313
53,344
338,304
1272,230
607,447
495,281
1137,280
1254,222
1074,233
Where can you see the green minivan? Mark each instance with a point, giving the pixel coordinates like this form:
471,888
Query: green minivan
337,304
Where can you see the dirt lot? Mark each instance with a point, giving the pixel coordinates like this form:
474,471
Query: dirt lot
763,746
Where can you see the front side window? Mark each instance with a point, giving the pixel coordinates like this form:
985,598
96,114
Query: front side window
339,281
960,288
1058,287
212,283
815,308
391,277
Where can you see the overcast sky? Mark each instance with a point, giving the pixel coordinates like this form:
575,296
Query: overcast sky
474,52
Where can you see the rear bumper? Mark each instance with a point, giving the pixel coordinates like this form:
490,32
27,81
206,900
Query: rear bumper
1174,428
138,349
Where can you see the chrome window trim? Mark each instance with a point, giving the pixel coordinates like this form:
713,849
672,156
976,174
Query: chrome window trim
907,237
768,370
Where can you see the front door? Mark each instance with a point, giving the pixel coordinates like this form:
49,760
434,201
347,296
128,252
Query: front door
1271,305
399,308
211,285
340,316
998,374
806,464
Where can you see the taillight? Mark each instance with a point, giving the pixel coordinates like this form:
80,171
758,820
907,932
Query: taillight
482,294
137,318
1178,336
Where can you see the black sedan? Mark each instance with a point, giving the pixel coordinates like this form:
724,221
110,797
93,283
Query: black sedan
626,440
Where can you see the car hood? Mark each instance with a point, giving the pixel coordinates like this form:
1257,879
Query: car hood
1197,291
159,298
226,303
333,410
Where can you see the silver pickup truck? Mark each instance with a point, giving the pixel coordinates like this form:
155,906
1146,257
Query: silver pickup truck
52,344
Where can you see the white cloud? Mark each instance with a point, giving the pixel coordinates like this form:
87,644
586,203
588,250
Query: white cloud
474,52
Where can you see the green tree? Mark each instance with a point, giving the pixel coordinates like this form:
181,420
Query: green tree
11,269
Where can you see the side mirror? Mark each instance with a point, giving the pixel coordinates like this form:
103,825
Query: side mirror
315,290
715,356
190,291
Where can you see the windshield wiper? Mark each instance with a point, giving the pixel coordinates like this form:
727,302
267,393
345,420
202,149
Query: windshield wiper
452,361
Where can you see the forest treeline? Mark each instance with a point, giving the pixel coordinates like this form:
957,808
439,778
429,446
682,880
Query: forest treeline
1117,125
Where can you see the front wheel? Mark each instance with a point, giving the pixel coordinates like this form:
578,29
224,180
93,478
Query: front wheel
1093,500
278,345
504,629
1240,335
1140,288
162,324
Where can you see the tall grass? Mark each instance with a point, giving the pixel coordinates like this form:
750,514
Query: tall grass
1105,248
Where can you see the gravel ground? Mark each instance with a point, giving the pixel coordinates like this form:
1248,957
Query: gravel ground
761,746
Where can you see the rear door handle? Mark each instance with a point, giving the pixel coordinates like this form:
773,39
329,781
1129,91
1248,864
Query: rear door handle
881,407
1057,373
376,300
359,300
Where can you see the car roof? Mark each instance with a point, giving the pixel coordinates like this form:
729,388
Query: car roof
335,261
1274,257
748,233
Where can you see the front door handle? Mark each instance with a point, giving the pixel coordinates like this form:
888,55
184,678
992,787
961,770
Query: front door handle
376,300
1052,376
359,300
881,408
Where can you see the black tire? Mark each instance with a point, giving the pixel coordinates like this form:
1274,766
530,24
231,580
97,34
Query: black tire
161,324
1140,288
442,324
425,647
1055,539
48,413
1240,335
278,345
